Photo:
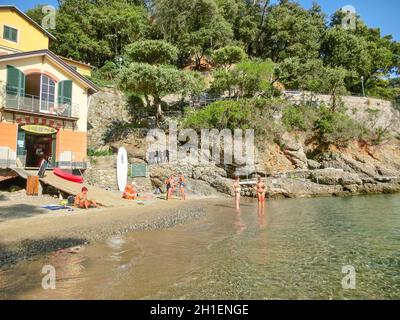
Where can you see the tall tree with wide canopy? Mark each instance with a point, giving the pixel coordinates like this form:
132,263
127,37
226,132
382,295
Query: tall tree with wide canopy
151,75
96,31
196,27
292,31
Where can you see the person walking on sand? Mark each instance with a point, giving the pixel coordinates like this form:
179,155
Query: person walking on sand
81,200
261,190
182,185
237,189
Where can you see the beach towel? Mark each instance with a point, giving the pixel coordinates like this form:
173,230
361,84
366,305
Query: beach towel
54,207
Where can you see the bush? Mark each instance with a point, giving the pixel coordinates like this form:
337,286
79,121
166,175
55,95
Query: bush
219,115
300,118
257,114
338,128
99,153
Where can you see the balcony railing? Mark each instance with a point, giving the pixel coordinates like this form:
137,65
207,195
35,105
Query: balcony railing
31,103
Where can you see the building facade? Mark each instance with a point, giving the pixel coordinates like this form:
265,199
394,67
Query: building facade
44,98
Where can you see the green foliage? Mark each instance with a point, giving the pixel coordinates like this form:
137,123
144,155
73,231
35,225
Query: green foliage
220,115
245,80
96,31
223,81
292,31
362,52
99,153
388,89
253,77
257,114
152,52
227,56
195,27
156,81
310,54
301,118
313,76
338,128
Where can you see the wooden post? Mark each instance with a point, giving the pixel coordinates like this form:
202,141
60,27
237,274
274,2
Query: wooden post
32,185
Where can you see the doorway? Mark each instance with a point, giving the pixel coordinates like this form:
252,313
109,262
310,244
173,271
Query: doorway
38,147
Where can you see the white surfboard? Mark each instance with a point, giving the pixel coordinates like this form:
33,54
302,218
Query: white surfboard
122,168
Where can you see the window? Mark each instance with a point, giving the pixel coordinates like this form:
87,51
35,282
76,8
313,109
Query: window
10,34
47,93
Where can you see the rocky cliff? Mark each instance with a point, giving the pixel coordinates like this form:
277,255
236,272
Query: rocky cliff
293,167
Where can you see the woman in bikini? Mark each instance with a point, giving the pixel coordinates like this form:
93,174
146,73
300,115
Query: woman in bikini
261,190
237,189
181,183
81,200
170,186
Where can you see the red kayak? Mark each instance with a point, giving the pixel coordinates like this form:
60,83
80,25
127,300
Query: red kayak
67,176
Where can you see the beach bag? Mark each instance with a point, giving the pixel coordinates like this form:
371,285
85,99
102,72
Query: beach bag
71,200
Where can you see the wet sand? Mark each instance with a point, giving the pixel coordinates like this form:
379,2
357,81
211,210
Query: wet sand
26,230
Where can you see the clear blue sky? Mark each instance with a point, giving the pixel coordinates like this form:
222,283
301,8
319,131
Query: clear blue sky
376,13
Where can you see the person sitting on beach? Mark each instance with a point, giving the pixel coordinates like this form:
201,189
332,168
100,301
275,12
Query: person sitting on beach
130,192
81,200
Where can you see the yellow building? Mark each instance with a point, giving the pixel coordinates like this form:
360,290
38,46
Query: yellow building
19,33
44,99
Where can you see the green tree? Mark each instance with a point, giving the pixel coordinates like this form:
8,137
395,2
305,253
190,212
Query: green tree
313,76
196,27
146,76
223,81
362,51
227,56
246,79
292,31
152,52
96,31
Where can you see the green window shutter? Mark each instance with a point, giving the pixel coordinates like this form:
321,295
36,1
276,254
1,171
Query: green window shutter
15,81
65,92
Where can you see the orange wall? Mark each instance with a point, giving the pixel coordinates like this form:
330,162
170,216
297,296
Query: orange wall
8,135
74,141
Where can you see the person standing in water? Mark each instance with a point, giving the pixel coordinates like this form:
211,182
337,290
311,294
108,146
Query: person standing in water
182,185
261,190
237,189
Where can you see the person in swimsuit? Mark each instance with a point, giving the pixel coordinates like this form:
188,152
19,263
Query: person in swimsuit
130,192
181,183
170,186
237,189
261,190
81,200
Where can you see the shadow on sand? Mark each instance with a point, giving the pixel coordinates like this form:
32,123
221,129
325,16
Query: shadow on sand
19,211
27,249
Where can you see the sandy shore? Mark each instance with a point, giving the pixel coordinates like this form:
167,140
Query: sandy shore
26,230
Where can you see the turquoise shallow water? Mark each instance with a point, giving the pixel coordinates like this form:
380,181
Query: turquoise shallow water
294,249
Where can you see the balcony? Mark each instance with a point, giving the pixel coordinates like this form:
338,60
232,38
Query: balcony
30,104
